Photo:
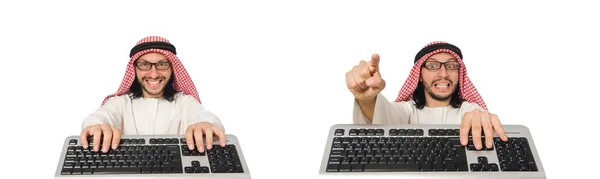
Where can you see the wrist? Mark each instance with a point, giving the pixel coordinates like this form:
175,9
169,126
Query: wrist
367,101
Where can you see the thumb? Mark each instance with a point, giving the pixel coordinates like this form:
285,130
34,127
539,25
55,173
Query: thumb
376,82
374,63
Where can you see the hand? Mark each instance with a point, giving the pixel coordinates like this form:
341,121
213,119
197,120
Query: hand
110,133
196,131
364,80
476,120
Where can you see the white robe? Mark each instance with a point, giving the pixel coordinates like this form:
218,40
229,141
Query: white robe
152,116
405,112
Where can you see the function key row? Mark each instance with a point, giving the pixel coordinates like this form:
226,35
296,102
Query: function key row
135,141
164,141
380,132
366,132
449,132
401,132
360,132
444,132
122,142
406,132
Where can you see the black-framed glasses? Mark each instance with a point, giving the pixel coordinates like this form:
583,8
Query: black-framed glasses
145,66
434,65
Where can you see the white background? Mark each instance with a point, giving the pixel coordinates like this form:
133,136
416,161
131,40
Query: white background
273,71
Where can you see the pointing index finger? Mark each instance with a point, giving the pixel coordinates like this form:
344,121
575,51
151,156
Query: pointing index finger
374,63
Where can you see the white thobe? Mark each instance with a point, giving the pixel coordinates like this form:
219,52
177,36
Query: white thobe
152,116
405,112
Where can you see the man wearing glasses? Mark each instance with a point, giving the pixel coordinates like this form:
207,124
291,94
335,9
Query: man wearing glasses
437,91
156,97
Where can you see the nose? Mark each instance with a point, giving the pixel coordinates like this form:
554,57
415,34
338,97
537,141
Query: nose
153,73
442,71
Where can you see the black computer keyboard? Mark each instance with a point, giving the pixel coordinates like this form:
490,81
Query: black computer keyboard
142,156
413,149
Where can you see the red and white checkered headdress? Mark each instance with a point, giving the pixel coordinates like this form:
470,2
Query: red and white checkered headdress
181,82
467,89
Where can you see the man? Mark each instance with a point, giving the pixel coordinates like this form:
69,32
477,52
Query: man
156,97
437,91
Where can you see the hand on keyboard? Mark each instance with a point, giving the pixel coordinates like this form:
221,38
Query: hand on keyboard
195,132
474,121
109,133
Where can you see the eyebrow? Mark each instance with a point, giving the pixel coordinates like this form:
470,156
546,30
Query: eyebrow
433,59
162,60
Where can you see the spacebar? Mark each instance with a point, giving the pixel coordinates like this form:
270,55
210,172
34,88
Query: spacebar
391,167
117,170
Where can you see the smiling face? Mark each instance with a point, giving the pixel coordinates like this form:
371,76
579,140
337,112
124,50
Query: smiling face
153,71
439,76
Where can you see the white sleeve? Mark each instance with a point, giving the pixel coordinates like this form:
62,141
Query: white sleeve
193,112
386,112
111,113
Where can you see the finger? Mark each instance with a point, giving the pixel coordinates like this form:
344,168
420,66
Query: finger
221,136
107,133
486,122
465,126
83,137
359,80
209,138
375,82
97,134
199,140
374,63
116,138
476,130
376,87
364,73
498,127
189,137
350,81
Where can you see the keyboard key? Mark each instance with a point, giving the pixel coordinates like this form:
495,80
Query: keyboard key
419,132
353,132
393,132
433,132
370,132
475,167
339,132
109,171
482,160
390,167
73,142
379,132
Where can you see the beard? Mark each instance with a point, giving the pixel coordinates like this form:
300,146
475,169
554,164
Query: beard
436,96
